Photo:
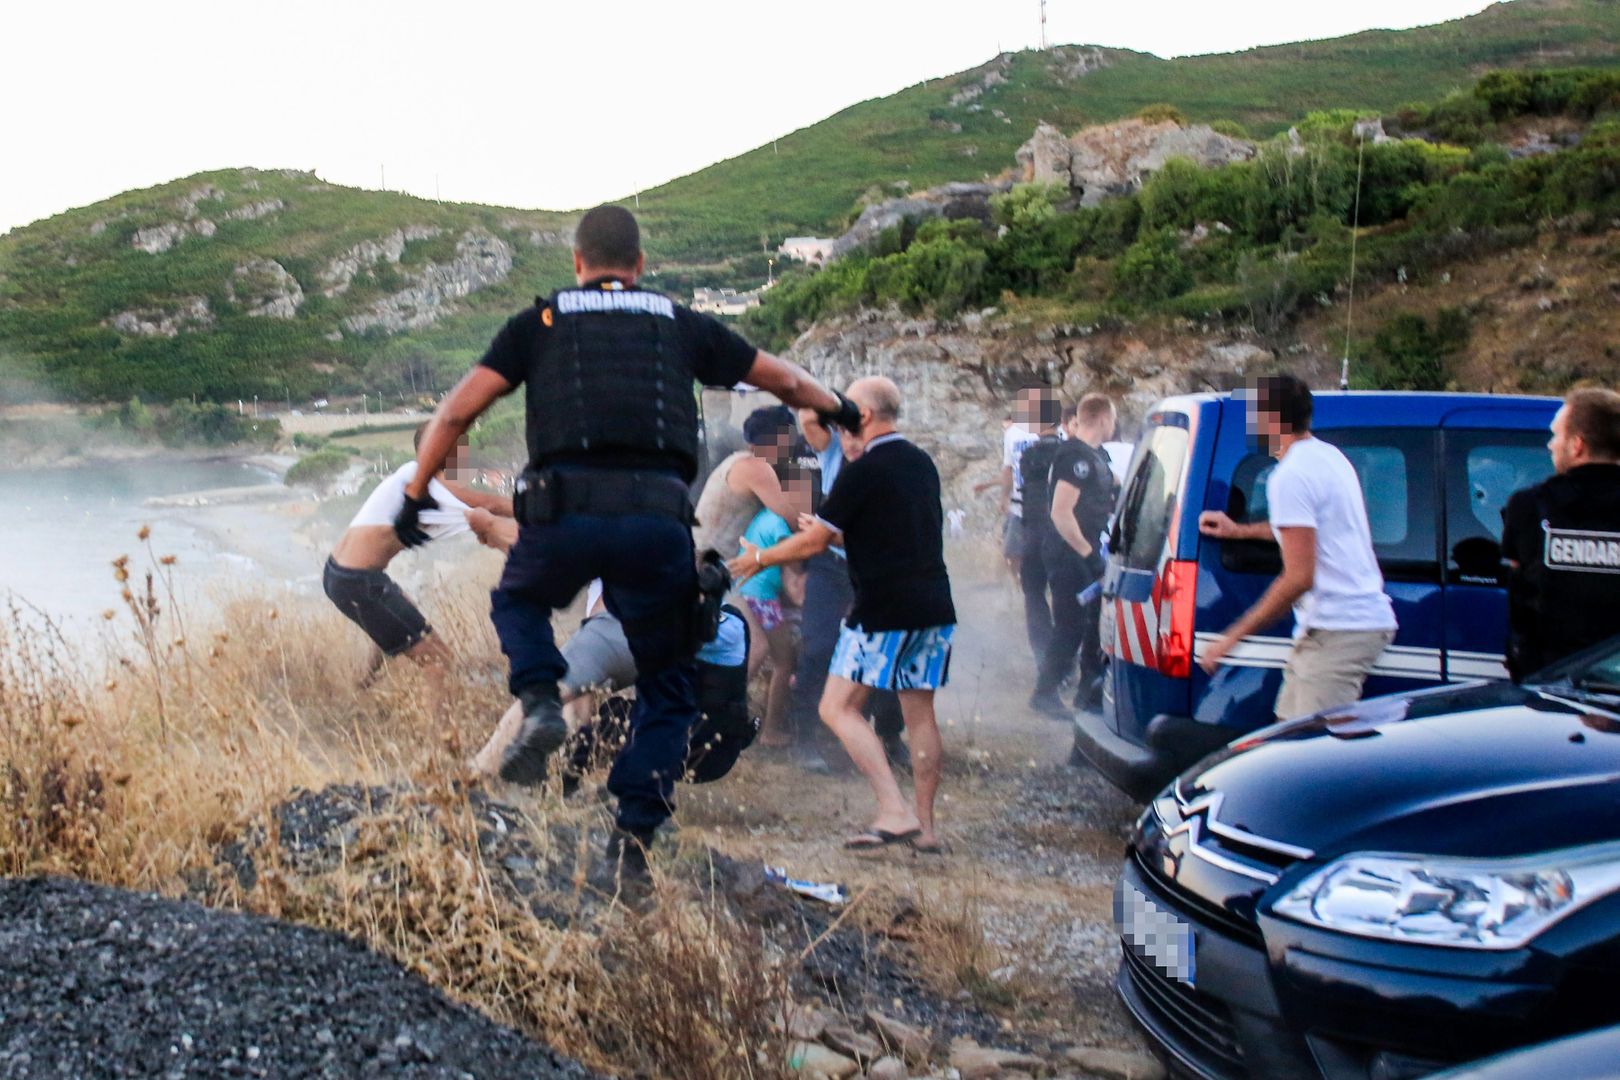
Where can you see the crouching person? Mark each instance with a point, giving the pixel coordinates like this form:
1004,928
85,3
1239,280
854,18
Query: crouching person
885,510
600,663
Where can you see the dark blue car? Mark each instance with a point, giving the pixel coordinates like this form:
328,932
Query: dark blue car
1436,470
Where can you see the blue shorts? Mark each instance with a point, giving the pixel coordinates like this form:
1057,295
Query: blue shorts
894,659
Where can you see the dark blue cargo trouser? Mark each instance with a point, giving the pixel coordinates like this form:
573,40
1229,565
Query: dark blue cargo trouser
649,576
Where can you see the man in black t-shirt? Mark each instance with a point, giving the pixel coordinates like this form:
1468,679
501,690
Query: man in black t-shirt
885,511
1082,497
1561,539
608,371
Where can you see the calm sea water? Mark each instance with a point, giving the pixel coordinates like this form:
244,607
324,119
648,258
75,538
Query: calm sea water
60,530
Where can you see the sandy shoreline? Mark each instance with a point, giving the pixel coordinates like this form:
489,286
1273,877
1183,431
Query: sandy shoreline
155,455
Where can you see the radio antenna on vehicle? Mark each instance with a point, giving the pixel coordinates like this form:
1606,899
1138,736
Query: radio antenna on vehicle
1355,229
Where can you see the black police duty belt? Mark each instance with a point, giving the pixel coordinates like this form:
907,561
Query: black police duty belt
544,495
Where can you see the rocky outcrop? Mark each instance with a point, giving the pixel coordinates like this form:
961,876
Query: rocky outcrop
482,259
984,79
1113,159
156,239
254,211
960,200
266,288
340,272
188,313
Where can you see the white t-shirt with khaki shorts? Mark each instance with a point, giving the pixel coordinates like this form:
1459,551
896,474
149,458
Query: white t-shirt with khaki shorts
1345,621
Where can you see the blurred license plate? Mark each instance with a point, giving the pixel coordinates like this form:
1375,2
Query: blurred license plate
1160,937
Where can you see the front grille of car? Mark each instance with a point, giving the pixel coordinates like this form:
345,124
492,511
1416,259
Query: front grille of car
1197,1025
1209,913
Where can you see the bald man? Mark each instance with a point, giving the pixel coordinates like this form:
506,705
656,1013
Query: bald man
884,509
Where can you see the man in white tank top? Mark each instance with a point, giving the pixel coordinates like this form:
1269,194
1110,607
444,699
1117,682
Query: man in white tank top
746,481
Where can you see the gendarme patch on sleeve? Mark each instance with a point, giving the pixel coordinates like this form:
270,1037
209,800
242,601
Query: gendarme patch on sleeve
1589,552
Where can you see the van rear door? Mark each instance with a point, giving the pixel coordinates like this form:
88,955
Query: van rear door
1142,543
1487,455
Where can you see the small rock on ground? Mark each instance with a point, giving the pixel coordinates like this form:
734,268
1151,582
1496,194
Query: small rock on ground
975,1062
816,1062
1115,1064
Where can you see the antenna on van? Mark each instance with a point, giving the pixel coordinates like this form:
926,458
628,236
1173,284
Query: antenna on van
1355,229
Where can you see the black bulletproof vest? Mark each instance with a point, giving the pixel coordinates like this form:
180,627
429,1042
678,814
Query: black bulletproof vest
609,381
1572,587
1036,468
1097,493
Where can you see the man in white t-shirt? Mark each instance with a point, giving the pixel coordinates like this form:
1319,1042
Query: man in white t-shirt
356,575
1343,620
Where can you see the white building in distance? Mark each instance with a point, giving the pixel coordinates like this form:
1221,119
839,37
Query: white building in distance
724,301
807,249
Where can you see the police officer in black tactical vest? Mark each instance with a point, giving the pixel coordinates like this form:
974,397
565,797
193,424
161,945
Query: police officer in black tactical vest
1082,492
1034,467
609,372
1561,539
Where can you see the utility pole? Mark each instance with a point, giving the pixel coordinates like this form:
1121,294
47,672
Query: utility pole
1043,25
382,170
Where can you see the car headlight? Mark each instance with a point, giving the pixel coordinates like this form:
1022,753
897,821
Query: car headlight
1461,903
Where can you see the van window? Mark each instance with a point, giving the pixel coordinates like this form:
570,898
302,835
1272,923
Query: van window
1149,502
1396,470
1483,468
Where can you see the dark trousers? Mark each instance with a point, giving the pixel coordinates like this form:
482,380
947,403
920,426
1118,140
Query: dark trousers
828,596
1074,627
1035,577
649,576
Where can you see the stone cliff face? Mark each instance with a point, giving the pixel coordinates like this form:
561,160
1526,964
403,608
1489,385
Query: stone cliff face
1113,159
482,259
958,378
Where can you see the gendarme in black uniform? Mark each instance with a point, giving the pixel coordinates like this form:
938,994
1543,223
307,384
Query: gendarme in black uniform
1034,574
608,373
1074,627
1564,534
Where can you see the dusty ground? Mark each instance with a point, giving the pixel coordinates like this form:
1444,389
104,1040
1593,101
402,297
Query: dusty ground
1034,845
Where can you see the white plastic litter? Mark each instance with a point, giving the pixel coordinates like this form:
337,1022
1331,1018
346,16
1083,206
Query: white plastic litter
825,891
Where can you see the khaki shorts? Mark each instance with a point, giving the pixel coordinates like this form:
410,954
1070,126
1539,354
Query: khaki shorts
1327,668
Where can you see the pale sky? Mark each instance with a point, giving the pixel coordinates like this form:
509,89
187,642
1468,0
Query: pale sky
532,105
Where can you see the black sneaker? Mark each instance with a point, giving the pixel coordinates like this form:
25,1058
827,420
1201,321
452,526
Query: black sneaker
543,731
1047,703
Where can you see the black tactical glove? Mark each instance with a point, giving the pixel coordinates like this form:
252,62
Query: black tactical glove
846,416
1095,564
406,524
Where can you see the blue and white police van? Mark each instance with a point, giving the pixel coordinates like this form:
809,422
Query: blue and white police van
1435,469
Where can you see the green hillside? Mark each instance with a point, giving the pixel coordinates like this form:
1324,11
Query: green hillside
809,182
245,282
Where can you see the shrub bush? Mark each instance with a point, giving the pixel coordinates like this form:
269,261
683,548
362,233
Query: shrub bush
317,470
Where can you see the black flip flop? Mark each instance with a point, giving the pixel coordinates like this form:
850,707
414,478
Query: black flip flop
879,838
936,848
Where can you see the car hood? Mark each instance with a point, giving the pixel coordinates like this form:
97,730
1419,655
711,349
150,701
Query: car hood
1487,769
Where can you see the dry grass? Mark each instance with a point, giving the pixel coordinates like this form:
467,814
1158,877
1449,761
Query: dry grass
135,768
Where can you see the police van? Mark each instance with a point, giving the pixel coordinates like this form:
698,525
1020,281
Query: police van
1435,470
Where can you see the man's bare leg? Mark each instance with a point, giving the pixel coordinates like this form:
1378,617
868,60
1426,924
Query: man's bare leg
433,657
842,705
927,755
576,708
374,666
782,643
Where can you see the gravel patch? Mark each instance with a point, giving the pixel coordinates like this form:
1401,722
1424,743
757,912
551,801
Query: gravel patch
100,982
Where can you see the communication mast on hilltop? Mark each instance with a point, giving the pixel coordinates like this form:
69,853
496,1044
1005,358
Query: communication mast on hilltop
1043,25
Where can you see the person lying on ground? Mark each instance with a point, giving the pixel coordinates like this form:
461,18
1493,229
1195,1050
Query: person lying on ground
885,507
356,580
600,665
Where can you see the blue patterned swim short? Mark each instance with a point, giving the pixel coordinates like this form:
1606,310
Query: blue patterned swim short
894,659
